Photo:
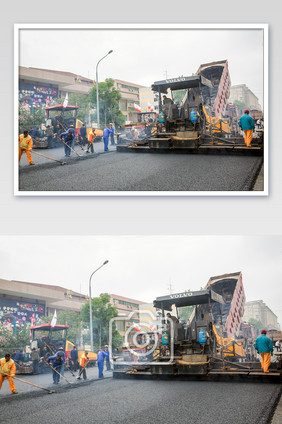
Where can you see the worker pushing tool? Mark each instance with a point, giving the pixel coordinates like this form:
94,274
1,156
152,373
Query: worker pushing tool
57,362
8,370
67,138
91,136
83,365
25,145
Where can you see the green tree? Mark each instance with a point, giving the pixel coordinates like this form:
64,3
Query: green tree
256,323
241,106
109,98
102,313
10,341
29,119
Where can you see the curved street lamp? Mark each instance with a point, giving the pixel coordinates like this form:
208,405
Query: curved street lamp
97,91
90,304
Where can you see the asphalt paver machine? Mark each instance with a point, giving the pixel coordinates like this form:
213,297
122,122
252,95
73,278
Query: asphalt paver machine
207,345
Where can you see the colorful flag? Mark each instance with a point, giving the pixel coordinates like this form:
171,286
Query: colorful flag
136,327
137,107
66,101
54,319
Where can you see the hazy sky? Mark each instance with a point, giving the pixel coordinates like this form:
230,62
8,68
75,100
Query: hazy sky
142,267
146,56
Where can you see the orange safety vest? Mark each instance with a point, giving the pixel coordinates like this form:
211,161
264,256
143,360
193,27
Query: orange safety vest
83,360
25,142
7,367
91,136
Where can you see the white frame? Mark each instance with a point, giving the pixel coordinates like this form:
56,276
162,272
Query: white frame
264,27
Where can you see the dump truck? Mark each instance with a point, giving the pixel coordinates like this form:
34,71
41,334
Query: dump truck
206,345
92,356
197,123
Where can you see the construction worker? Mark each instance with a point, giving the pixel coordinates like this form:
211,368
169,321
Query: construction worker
25,145
107,131
63,355
83,134
19,356
74,358
265,348
8,370
35,360
100,361
57,362
112,135
68,139
91,136
108,365
247,124
83,364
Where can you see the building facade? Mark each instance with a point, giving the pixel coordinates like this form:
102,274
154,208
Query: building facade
127,316
130,98
149,101
25,303
40,87
259,311
243,94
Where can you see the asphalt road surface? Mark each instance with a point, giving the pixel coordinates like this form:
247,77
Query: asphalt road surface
145,402
113,171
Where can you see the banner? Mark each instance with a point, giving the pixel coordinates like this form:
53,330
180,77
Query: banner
17,312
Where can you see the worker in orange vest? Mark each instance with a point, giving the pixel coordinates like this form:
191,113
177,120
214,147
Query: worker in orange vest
83,363
25,145
8,370
91,136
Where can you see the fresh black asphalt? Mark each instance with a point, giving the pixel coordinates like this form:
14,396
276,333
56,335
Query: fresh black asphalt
144,402
115,171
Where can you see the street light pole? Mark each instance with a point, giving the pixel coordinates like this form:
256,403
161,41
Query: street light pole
90,305
97,91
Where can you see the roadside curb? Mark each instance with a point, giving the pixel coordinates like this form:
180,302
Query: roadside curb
277,413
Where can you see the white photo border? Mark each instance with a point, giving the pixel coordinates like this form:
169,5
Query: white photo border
261,26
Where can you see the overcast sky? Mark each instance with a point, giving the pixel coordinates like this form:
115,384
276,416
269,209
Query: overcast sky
146,56
142,267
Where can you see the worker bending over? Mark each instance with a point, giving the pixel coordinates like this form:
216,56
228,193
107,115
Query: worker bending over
57,362
25,145
265,348
8,370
